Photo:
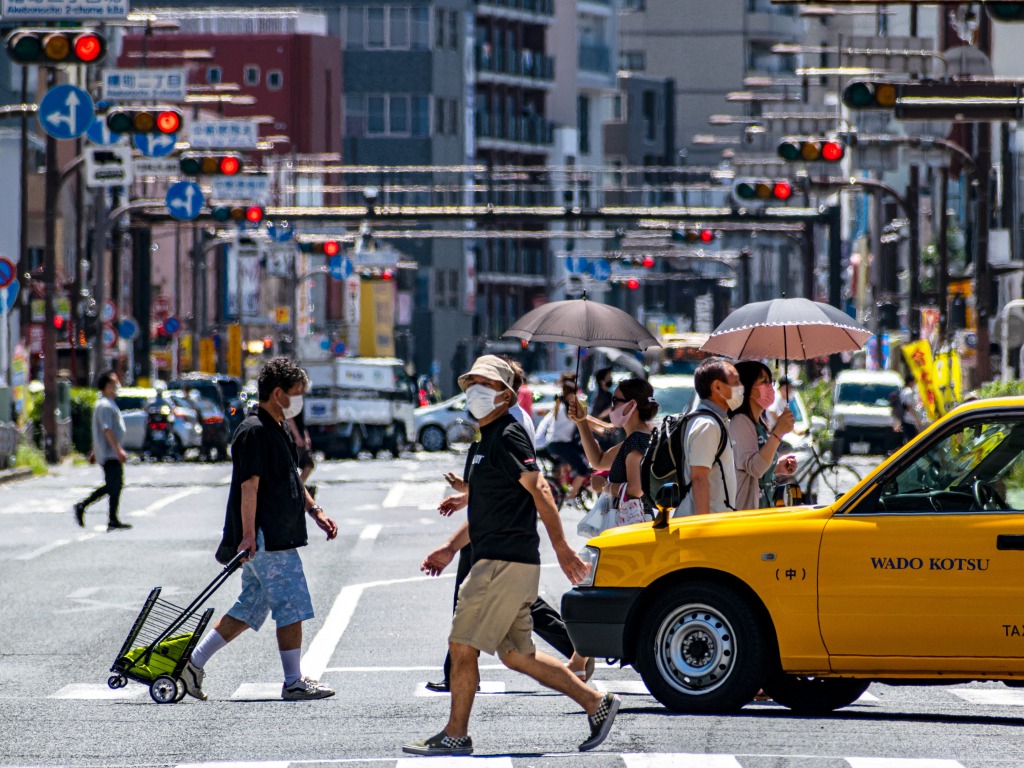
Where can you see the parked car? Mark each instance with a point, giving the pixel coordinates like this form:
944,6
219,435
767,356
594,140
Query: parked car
132,402
215,427
224,391
434,421
861,412
813,604
158,424
674,392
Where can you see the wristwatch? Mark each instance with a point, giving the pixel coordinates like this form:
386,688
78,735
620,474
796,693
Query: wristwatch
315,508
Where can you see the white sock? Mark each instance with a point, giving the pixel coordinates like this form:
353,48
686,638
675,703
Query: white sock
208,646
290,661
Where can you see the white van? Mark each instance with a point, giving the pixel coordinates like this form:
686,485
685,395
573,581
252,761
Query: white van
862,412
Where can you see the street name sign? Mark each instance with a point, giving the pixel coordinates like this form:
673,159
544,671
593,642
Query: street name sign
159,167
251,188
108,166
62,10
223,134
66,112
124,85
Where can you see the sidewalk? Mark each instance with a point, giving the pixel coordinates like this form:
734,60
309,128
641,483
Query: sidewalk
11,475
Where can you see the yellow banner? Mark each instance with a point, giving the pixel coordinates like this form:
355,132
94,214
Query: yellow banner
918,355
185,353
207,355
949,379
235,350
377,319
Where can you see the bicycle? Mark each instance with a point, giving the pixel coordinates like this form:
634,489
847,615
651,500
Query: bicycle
824,475
560,477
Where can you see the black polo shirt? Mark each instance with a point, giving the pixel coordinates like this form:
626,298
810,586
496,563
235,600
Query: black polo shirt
502,514
263,448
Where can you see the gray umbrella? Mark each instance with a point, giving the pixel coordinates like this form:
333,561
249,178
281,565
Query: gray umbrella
583,323
792,329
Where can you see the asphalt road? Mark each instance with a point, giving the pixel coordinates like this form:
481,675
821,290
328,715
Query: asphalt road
70,597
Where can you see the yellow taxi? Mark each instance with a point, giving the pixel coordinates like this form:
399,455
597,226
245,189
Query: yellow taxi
915,575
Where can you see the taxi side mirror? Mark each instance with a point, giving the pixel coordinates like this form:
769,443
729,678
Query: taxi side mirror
667,500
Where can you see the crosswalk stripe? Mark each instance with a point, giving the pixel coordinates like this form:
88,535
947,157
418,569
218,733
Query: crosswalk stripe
637,760
626,687
100,691
901,762
456,762
166,501
275,764
486,687
990,698
257,692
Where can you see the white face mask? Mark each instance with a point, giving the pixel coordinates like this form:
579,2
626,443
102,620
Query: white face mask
480,401
294,407
736,399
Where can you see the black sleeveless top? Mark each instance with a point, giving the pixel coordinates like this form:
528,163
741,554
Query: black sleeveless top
638,441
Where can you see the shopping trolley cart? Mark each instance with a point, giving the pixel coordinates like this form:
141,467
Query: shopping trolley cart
162,640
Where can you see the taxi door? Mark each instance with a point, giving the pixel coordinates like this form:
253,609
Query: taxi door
929,564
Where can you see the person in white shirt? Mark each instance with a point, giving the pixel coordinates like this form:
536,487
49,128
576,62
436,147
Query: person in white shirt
558,435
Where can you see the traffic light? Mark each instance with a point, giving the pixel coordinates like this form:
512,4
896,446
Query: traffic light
218,164
58,322
864,94
632,284
56,46
240,213
376,273
812,150
321,247
1005,11
694,235
142,120
768,191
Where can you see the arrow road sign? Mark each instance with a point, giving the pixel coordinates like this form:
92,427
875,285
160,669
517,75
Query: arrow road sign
341,267
11,292
6,272
155,144
184,200
99,133
66,112
601,269
576,265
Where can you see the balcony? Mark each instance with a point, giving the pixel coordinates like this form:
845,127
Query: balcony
517,9
502,65
595,57
496,129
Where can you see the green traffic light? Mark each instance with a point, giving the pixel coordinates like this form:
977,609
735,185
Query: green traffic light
222,213
24,48
746,191
859,95
120,122
790,151
190,166
1006,11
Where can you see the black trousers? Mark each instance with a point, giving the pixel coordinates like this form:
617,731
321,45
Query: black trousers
113,476
547,622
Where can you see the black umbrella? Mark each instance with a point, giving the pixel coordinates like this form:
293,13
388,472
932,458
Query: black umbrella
583,323
799,328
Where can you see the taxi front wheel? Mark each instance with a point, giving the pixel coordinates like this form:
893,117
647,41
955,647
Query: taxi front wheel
814,695
702,648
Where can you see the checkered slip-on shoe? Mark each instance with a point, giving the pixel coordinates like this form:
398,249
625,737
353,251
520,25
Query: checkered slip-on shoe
441,744
601,721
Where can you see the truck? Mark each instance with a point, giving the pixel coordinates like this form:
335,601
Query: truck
862,412
360,403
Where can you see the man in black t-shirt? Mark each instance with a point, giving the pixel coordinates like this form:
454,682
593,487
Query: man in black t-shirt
506,492
265,518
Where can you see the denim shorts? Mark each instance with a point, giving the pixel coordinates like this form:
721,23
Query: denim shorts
273,583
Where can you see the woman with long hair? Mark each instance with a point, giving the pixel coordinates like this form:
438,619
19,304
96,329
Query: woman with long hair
755,445
633,409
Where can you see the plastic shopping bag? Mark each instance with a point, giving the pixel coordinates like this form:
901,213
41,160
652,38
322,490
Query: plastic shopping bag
600,518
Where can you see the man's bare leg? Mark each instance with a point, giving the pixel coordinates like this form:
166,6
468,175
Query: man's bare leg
465,679
551,674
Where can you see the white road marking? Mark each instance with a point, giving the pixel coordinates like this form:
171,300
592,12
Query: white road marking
257,692
901,762
370,532
456,762
394,497
679,761
486,687
628,687
43,549
319,653
100,691
268,764
867,698
375,670
156,506
991,698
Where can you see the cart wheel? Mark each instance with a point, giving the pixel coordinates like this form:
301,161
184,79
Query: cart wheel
122,681
163,689
114,682
181,689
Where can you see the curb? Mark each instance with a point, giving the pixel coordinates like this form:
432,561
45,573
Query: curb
11,475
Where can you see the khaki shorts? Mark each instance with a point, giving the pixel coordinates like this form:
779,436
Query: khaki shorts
493,610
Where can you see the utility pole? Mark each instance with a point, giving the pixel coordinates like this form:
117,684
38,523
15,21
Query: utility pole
99,270
914,255
50,446
983,278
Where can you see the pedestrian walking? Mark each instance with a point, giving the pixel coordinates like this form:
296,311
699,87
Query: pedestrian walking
266,518
755,445
547,622
910,420
506,492
709,468
107,434
560,436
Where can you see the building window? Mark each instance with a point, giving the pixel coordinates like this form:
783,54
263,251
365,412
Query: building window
453,118
375,111
275,79
440,109
420,29
399,27
649,112
355,28
214,75
398,112
252,74
453,30
375,29
439,28
420,115
583,123
355,115
634,61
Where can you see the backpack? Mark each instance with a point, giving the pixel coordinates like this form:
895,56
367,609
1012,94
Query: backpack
665,456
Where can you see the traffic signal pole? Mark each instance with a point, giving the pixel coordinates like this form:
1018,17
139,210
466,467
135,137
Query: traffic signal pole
914,256
52,181
983,278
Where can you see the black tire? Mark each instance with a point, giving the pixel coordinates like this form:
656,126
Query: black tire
398,444
585,498
814,695
702,648
354,444
433,439
834,480
181,690
557,492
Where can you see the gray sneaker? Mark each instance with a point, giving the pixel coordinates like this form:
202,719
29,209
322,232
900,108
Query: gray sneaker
601,721
193,676
305,688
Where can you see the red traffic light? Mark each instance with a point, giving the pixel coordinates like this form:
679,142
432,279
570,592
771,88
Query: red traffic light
88,48
268,343
58,322
387,274
230,165
331,248
168,122
706,235
254,214
648,262
832,151
632,283
782,190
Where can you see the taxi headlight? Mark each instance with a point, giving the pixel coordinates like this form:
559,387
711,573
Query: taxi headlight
590,556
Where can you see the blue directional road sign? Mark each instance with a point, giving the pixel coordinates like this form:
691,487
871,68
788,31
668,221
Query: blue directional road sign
184,200
171,325
340,267
66,112
576,265
99,133
279,231
155,144
12,295
601,269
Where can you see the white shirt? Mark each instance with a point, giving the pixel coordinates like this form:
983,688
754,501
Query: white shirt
517,413
702,438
